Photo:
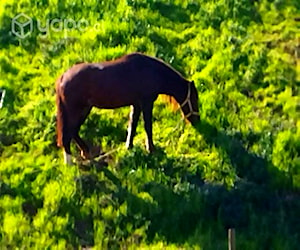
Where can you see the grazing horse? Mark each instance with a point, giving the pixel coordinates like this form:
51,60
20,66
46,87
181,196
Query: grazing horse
134,79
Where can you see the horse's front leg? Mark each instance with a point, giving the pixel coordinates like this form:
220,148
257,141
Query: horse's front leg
133,121
147,115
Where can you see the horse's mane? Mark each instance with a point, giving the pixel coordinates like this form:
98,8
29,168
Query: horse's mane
166,98
170,100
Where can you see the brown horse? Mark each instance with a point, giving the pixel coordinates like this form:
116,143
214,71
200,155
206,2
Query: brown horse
133,79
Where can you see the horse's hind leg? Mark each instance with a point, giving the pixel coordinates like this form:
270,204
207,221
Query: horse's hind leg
82,115
147,115
81,144
133,121
86,152
64,134
74,118
66,141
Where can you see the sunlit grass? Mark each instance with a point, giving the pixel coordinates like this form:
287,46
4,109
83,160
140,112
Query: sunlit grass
239,168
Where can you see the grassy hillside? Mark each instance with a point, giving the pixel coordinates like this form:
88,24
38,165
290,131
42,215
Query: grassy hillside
239,168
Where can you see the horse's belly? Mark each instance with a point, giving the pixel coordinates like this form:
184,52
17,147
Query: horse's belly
111,106
112,102
114,95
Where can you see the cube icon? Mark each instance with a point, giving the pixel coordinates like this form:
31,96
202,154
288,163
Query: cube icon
21,26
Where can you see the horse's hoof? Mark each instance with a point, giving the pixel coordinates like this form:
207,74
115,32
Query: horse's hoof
67,159
151,149
84,155
93,152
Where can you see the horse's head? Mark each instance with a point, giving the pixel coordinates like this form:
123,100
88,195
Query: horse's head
189,106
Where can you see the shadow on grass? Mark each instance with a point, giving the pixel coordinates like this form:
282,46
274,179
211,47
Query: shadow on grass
184,202
171,11
184,207
249,166
181,208
97,125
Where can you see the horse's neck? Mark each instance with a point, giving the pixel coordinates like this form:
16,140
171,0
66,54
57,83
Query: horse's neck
177,89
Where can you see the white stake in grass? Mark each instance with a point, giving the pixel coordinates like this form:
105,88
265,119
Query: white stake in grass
2,98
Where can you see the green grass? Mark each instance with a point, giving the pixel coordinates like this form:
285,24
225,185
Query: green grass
239,168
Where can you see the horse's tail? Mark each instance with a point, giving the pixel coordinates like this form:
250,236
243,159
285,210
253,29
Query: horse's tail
61,114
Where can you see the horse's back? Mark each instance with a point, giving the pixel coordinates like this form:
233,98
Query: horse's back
116,83
127,66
